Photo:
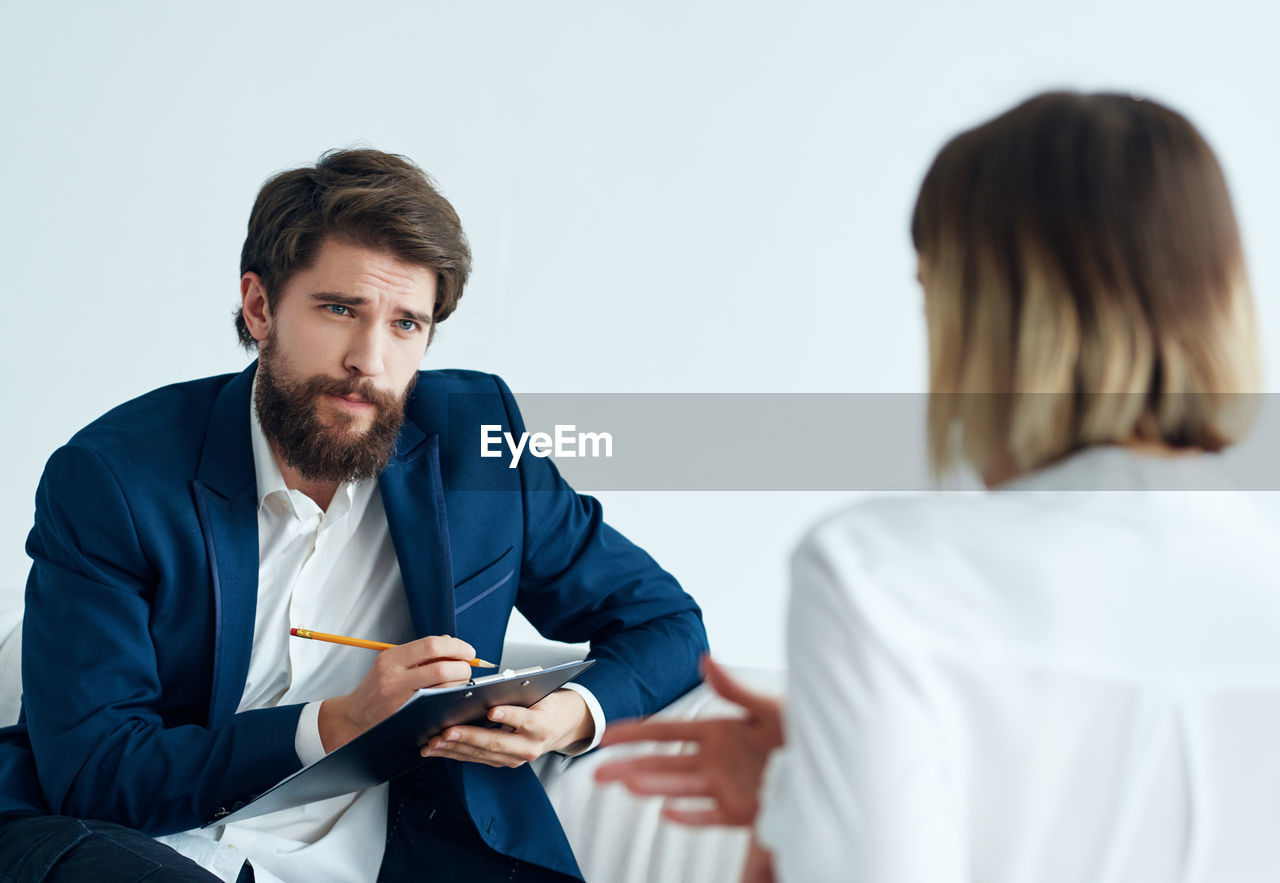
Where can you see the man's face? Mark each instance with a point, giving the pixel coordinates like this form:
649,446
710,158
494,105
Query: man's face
338,358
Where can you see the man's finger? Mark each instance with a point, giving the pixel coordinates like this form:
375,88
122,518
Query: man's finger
479,743
470,754
438,673
727,687
464,751
655,731
514,716
431,648
492,741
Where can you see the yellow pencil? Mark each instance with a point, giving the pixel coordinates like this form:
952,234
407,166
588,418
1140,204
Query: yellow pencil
368,645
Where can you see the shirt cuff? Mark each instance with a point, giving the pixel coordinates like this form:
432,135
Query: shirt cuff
306,740
597,718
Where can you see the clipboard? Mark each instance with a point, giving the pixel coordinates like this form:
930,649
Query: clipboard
392,747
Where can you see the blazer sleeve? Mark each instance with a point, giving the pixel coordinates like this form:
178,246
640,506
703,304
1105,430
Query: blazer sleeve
91,686
581,580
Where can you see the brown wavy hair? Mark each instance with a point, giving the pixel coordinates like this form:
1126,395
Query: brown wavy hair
364,197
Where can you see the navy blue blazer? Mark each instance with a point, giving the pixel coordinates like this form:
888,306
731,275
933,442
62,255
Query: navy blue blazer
140,605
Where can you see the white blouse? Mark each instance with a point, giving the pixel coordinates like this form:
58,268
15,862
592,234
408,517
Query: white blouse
1051,682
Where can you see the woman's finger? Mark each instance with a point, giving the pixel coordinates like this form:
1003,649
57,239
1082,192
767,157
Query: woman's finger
655,731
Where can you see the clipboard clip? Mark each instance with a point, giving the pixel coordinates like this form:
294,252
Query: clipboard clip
506,673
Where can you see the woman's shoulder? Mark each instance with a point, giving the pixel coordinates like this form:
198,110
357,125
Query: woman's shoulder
910,524
1090,497
1028,573
906,548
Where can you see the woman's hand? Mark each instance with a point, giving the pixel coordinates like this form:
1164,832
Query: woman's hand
727,767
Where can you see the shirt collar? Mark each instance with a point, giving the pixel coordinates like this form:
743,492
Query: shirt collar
1117,468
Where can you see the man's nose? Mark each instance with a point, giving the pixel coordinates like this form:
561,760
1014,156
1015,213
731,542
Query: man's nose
367,352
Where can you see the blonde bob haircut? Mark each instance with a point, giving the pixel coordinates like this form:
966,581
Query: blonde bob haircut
1084,284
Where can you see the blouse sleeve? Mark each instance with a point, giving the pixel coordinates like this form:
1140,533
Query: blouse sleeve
863,790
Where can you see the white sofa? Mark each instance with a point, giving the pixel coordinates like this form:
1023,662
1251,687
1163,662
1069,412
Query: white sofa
616,837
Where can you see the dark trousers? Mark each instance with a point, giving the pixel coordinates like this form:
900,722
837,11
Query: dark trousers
59,849
430,837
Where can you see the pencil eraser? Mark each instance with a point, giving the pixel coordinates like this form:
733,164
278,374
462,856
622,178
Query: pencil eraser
293,632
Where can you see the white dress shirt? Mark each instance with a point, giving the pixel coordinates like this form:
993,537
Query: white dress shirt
332,571
1038,684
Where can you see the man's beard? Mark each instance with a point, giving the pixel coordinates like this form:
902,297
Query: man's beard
289,414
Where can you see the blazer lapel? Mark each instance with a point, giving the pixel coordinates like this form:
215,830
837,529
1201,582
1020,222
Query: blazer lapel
413,497
226,501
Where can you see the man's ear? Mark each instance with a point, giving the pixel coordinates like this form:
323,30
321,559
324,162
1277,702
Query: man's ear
254,306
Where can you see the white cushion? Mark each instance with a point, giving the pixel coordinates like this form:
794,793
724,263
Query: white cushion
10,666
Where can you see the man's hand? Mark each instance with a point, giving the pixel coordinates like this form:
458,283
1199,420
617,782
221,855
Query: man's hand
560,720
727,767
397,673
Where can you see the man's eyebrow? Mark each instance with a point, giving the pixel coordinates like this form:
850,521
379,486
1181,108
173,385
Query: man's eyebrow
335,297
354,300
423,319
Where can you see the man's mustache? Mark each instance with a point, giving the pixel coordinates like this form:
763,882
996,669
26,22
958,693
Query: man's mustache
352,386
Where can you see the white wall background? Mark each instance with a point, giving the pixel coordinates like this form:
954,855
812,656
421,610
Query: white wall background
704,195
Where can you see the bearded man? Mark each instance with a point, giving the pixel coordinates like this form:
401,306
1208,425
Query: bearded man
330,485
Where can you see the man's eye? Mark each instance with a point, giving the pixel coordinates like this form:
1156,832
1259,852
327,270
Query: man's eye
338,309
406,325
